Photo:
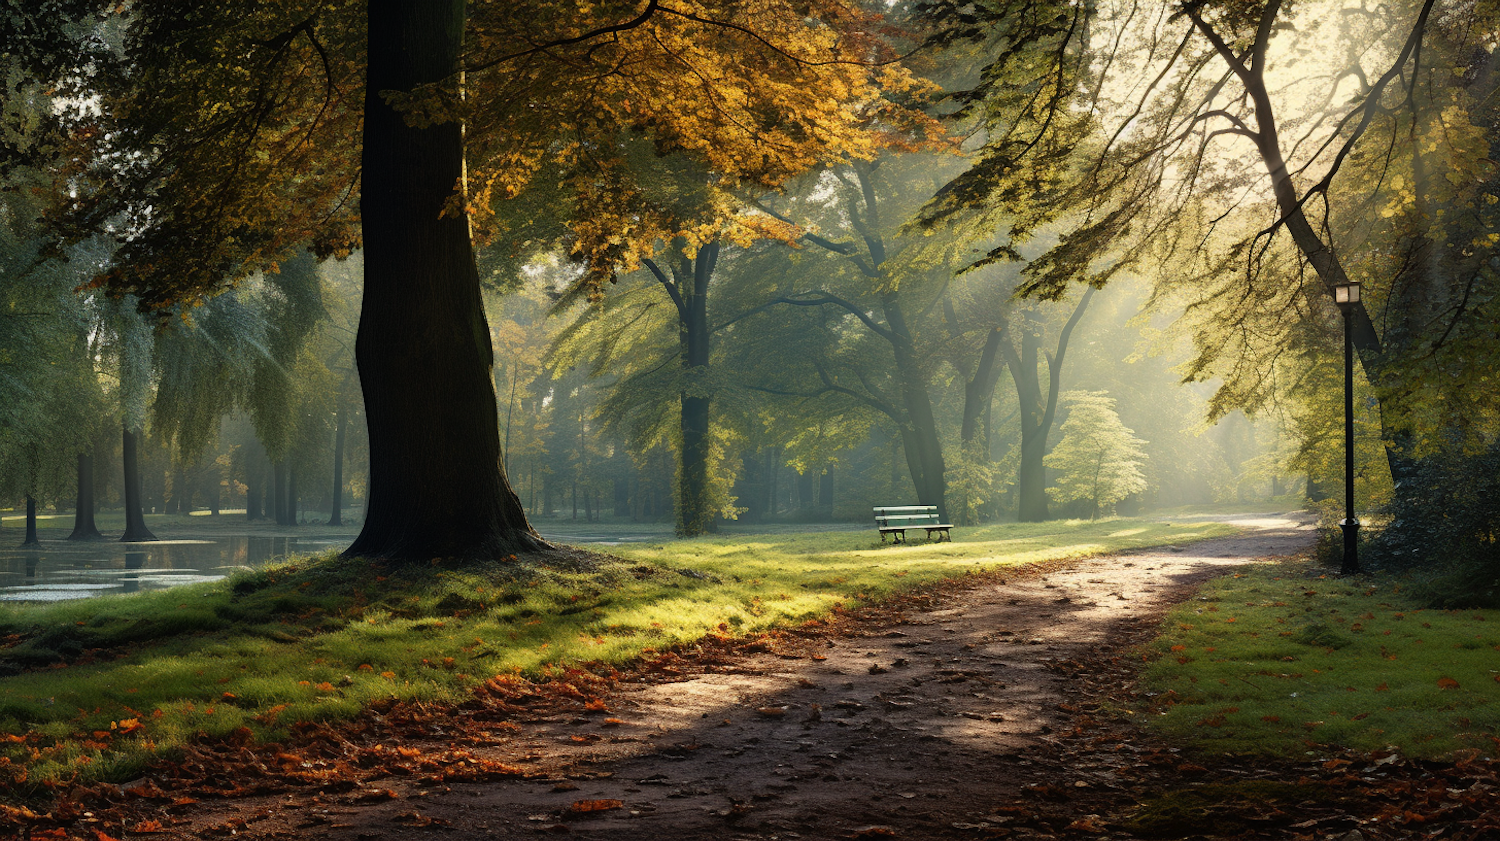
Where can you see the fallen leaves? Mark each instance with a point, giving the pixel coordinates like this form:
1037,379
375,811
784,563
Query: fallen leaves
415,818
589,806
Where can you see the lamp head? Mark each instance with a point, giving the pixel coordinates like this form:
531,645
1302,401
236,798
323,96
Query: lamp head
1346,294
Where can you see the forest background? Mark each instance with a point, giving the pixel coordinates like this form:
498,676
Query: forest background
955,254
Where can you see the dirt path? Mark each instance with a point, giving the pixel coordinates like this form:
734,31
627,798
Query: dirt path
960,721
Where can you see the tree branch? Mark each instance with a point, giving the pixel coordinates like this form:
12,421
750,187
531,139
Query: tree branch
670,286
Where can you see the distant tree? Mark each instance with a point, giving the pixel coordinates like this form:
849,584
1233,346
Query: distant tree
1099,459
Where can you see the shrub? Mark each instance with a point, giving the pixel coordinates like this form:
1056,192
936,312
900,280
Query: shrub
1444,522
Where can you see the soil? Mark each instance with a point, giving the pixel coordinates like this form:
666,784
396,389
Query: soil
983,708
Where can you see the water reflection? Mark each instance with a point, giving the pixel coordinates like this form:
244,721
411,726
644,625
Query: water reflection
133,561
58,570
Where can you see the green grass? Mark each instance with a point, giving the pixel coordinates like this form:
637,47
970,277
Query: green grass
1275,660
322,638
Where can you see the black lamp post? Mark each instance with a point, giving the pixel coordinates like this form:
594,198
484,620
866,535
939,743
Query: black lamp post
1346,295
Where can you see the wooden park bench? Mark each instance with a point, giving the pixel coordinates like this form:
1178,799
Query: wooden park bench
895,520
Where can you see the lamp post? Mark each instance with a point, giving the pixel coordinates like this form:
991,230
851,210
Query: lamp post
1346,295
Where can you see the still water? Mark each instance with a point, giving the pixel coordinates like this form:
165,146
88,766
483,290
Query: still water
60,570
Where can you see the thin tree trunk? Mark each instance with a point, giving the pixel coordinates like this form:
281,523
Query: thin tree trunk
135,518
253,490
437,484
773,468
182,492
278,492
336,512
83,514
31,538
825,493
212,492
291,496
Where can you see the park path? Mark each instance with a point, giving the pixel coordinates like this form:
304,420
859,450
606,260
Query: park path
957,719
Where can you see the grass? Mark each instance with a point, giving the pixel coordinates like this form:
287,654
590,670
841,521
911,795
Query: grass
322,638
1277,659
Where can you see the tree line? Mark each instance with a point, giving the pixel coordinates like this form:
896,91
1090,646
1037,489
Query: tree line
856,219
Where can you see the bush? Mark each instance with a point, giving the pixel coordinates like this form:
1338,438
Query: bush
1444,522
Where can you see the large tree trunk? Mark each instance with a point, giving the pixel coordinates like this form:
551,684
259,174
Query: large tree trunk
83,515
1037,411
924,450
31,538
437,482
688,288
979,390
135,518
336,510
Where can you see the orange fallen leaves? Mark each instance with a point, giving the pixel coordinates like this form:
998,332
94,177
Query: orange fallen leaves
584,806
1447,683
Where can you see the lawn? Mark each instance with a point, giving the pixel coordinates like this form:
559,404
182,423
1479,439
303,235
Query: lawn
1278,659
322,638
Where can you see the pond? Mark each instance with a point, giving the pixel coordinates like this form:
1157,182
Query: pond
60,570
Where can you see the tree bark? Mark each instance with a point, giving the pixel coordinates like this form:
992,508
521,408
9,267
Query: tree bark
83,514
135,518
437,481
336,510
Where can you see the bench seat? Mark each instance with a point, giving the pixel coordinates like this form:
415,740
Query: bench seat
896,519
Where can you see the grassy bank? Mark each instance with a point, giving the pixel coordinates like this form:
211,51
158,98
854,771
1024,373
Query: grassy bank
321,638
1277,659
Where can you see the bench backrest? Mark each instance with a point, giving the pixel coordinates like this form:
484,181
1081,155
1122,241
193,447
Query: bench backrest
916,516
